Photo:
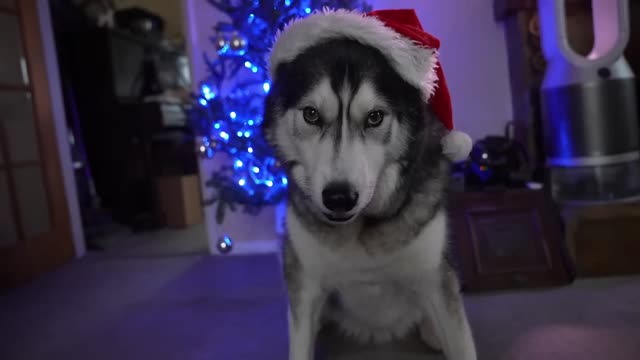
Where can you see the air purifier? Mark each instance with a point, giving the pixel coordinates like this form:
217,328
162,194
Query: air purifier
590,115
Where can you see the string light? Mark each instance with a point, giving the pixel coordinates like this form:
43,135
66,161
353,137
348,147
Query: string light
207,93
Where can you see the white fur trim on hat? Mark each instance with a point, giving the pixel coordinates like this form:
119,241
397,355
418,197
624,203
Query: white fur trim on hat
416,64
456,145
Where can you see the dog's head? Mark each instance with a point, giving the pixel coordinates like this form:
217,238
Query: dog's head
347,126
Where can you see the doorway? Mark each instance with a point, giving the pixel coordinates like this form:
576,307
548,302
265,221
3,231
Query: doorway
125,80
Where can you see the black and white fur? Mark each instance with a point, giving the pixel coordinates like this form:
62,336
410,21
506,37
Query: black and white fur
384,261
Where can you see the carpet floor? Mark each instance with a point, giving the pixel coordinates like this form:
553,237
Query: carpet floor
122,242
194,307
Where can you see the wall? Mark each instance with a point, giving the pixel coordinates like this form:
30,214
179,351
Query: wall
200,18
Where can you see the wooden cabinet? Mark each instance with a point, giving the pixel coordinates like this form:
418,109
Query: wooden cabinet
507,239
604,240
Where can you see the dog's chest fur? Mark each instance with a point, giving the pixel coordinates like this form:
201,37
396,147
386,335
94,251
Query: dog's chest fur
372,297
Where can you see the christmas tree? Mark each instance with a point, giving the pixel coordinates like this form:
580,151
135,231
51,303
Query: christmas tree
227,112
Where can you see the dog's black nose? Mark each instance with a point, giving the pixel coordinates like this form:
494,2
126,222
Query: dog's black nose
339,197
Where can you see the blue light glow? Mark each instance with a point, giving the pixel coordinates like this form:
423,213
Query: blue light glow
250,150
307,10
287,2
239,133
203,102
269,183
207,93
239,163
247,134
254,69
224,135
242,182
250,122
266,86
255,169
285,181
251,18
233,114
248,64
216,126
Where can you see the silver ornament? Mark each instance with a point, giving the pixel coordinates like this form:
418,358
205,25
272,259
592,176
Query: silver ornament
225,244
238,42
221,42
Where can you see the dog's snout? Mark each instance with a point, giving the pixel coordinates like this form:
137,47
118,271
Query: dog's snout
339,197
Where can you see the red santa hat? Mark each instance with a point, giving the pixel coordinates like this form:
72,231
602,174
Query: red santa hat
399,35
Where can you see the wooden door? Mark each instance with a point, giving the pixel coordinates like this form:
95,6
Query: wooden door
35,231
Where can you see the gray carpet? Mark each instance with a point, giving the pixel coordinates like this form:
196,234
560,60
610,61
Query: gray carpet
122,242
227,308
182,308
589,320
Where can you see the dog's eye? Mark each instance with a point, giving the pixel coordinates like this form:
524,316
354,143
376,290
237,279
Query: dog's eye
311,115
374,119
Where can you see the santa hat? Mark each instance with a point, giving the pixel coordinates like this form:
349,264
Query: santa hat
411,51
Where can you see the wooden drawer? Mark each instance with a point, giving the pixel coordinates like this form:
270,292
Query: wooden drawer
507,239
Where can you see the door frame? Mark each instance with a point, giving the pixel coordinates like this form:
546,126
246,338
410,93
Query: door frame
60,125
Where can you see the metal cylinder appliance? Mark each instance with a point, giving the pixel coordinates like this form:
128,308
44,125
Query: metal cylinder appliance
590,115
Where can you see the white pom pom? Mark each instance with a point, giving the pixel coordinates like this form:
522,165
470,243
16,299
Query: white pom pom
456,145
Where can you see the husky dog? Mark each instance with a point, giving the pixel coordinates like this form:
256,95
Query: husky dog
367,220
